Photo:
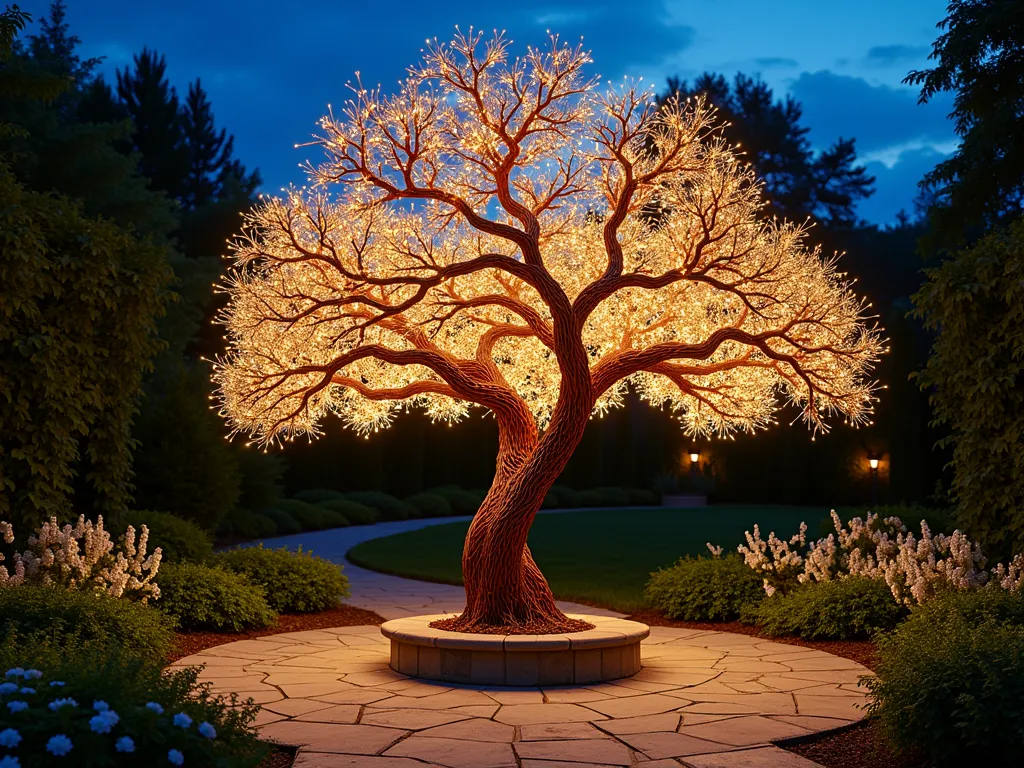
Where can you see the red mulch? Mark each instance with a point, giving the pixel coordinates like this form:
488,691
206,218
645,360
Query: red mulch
279,757
536,628
188,643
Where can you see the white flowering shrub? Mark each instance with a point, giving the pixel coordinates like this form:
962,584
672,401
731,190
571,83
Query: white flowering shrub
151,720
83,557
914,567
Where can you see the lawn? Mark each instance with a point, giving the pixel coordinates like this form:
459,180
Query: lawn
599,556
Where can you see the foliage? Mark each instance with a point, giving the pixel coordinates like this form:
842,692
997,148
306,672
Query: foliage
949,680
78,298
705,589
565,496
203,597
183,464
914,569
975,303
643,497
285,523
251,525
841,609
603,497
295,582
388,507
178,539
462,502
430,504
97,708
311,517
83,557
354,512
317,495
798,181
70,621
977,58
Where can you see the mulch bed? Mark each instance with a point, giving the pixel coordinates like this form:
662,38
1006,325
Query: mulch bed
188,643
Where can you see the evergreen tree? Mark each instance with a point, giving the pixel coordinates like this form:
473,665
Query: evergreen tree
798,183
209,151
978,59
157,130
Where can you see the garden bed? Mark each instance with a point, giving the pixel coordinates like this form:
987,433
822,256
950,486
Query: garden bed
188,643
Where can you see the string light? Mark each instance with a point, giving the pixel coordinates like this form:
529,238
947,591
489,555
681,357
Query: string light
519,251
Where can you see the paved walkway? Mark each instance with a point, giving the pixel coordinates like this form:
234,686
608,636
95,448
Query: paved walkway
392,596
703,699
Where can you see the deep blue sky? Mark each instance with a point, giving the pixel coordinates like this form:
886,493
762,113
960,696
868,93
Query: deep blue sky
271,67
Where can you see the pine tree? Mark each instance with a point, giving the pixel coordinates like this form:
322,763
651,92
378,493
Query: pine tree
157,135
208,150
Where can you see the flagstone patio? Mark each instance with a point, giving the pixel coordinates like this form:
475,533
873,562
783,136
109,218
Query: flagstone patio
703,699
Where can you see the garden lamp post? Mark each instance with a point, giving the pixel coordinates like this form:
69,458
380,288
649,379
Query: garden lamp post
873,464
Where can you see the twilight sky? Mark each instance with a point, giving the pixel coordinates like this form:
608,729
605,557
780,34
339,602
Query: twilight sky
271,67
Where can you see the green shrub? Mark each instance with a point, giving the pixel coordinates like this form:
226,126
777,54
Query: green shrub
210,598
705,589
643,497
603,497
316,495
145,700
286,524
295,582
247,524
310,517
461,501
566,496
430,505
354,512
388,507
65,618
851,608
179,540
949,680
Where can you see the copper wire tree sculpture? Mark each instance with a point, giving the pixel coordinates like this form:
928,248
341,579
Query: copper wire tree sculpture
506,235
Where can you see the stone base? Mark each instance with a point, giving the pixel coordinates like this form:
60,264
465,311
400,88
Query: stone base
609,651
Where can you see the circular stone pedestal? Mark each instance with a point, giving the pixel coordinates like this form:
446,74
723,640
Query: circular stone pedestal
608,651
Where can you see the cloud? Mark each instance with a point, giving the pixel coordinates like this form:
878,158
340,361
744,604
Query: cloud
878,116
770,62
896,183
889,55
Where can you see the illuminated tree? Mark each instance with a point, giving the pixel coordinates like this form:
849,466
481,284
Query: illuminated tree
492,244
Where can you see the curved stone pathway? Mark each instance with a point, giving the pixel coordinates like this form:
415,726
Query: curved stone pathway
703,699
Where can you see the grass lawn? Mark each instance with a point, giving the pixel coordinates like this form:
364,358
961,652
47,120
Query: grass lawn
600,556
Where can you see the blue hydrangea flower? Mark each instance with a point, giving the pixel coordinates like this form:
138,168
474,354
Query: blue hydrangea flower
9,738
10,762
152,706
182,720
59,745
56,683
100,706
124,744
6,688
17,706
28,691
103,722
32,674
207,730
58,703
15,672
174,757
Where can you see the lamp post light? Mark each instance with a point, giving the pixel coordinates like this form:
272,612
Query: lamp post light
694,462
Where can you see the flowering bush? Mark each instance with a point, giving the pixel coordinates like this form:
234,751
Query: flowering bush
82,557
914,568
121,713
